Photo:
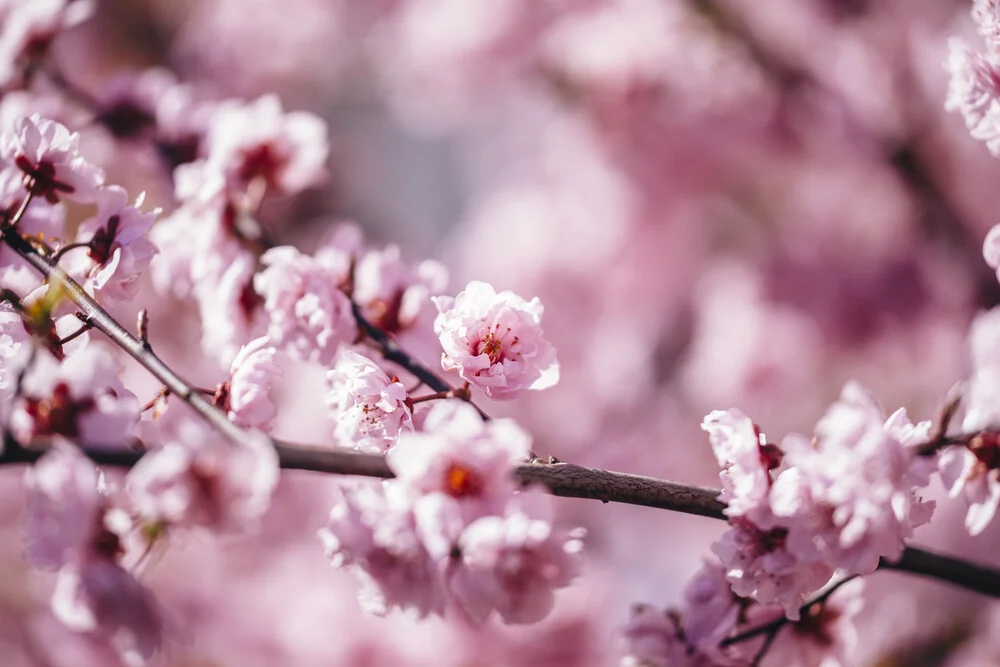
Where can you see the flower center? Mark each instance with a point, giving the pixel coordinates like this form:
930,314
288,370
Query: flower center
492,345
40,179
58,414
101,244
460,481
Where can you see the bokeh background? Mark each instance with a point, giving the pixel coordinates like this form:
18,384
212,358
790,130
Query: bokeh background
721,203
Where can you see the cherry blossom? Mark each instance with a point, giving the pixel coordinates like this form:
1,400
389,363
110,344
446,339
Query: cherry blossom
853,494
153,104
98,596
198,479
230,309
392,295
372,535
740,450
460,467
512,564
711,610
80,398
68,529
494,341
369,408
118,250
760,565
64,507
987,19
653,638
246,395
27,28
287,151
826,634
309,316
48,156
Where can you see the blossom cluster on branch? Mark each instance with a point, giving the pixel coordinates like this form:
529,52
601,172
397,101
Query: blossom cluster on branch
451,530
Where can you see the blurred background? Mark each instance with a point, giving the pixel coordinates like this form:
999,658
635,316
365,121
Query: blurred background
721,203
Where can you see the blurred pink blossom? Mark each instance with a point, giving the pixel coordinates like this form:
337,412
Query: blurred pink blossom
711,610
48,155
27,28
512,564
80,398
196,478
372,534
258,140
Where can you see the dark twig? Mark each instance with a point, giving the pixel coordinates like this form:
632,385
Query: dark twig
771,629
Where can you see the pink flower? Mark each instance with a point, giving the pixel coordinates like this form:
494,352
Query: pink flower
826,635
392,295
118,250
653,638
369,408
738,447
852,494
79,398
974,474
711,611
459,467
258,140
48,156
495,341
97,596
246,395
973,91
759,565
198,479
372,535
64,506
27,27
152,104
309,316
512,565
229,307
68,528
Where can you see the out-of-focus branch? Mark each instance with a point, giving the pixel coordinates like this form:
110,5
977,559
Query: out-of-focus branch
106,324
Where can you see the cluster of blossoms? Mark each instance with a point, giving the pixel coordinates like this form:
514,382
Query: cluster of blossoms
814,506
454,529
452,526
61,387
